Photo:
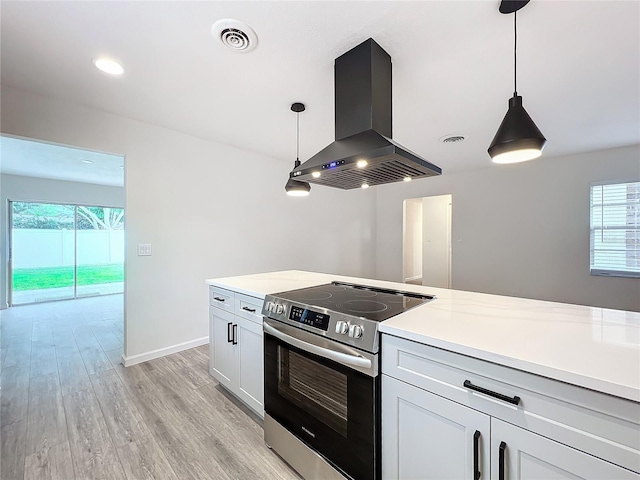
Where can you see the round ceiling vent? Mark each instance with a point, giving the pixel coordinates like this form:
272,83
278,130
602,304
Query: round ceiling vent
236,35
452,139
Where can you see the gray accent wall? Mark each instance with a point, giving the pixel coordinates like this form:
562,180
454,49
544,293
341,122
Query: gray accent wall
518,230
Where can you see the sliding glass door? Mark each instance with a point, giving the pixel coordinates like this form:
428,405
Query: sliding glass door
65,251
99,250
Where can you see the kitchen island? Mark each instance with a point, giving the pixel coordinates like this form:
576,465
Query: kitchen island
575,371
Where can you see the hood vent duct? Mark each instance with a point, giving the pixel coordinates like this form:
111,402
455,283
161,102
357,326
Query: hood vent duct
363,153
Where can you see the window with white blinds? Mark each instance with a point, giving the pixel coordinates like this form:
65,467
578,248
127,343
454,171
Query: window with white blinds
615,229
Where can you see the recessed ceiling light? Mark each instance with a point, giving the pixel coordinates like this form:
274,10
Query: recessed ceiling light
315,174
407,179
365,185
85,160
361,163
108,65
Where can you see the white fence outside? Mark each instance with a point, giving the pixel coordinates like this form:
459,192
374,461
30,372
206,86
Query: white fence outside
34,248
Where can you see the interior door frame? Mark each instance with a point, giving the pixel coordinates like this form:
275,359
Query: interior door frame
446,229
9,265
75,252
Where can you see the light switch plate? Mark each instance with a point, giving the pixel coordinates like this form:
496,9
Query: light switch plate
144,249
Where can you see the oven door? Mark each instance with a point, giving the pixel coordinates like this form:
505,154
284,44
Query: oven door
325,394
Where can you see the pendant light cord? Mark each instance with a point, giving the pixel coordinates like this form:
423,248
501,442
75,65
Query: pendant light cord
515,57
297,139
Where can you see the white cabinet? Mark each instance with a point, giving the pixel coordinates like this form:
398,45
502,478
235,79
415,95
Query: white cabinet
518,454
249,364
433,402
427,436
222,349
236,347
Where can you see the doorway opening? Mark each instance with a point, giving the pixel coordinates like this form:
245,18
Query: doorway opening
427,241
61,252
61,238
44,187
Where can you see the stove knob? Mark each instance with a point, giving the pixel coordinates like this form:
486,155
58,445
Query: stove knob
341,327
269,307
355,331
279,308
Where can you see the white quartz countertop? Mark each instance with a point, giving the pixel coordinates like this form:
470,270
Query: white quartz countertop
261,284
595,348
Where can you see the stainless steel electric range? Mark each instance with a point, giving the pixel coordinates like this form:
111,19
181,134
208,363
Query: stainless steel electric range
321,374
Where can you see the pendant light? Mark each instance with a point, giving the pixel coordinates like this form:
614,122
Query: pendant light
518,139
296,188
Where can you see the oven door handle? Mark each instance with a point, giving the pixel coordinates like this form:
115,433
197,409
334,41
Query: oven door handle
346,359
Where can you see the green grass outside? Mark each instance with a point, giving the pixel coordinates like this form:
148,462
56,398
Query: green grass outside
55,277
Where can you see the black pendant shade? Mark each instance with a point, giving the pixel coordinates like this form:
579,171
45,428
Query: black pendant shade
518,138
296,188
511,6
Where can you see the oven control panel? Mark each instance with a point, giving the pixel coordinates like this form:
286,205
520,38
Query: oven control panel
347,329
301,315
276,308
309,317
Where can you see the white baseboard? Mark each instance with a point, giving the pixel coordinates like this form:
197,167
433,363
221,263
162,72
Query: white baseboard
162,352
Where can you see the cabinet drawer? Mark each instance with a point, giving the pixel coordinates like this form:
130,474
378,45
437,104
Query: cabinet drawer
596,423
444,373
221,298
249,307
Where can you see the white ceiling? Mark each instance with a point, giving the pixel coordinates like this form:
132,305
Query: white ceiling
578,69
45,160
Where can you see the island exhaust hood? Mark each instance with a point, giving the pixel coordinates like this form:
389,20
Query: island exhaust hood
363,152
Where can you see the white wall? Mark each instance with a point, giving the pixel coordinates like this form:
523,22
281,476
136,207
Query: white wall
30,189
436,241
520,230
208,209
412,239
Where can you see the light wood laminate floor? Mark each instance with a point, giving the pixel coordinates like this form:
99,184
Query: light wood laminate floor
69,409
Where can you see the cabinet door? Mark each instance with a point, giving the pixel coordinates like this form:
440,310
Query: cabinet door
221,350
427,436
250,364
529,456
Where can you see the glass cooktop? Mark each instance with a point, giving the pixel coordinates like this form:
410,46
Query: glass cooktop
372,303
